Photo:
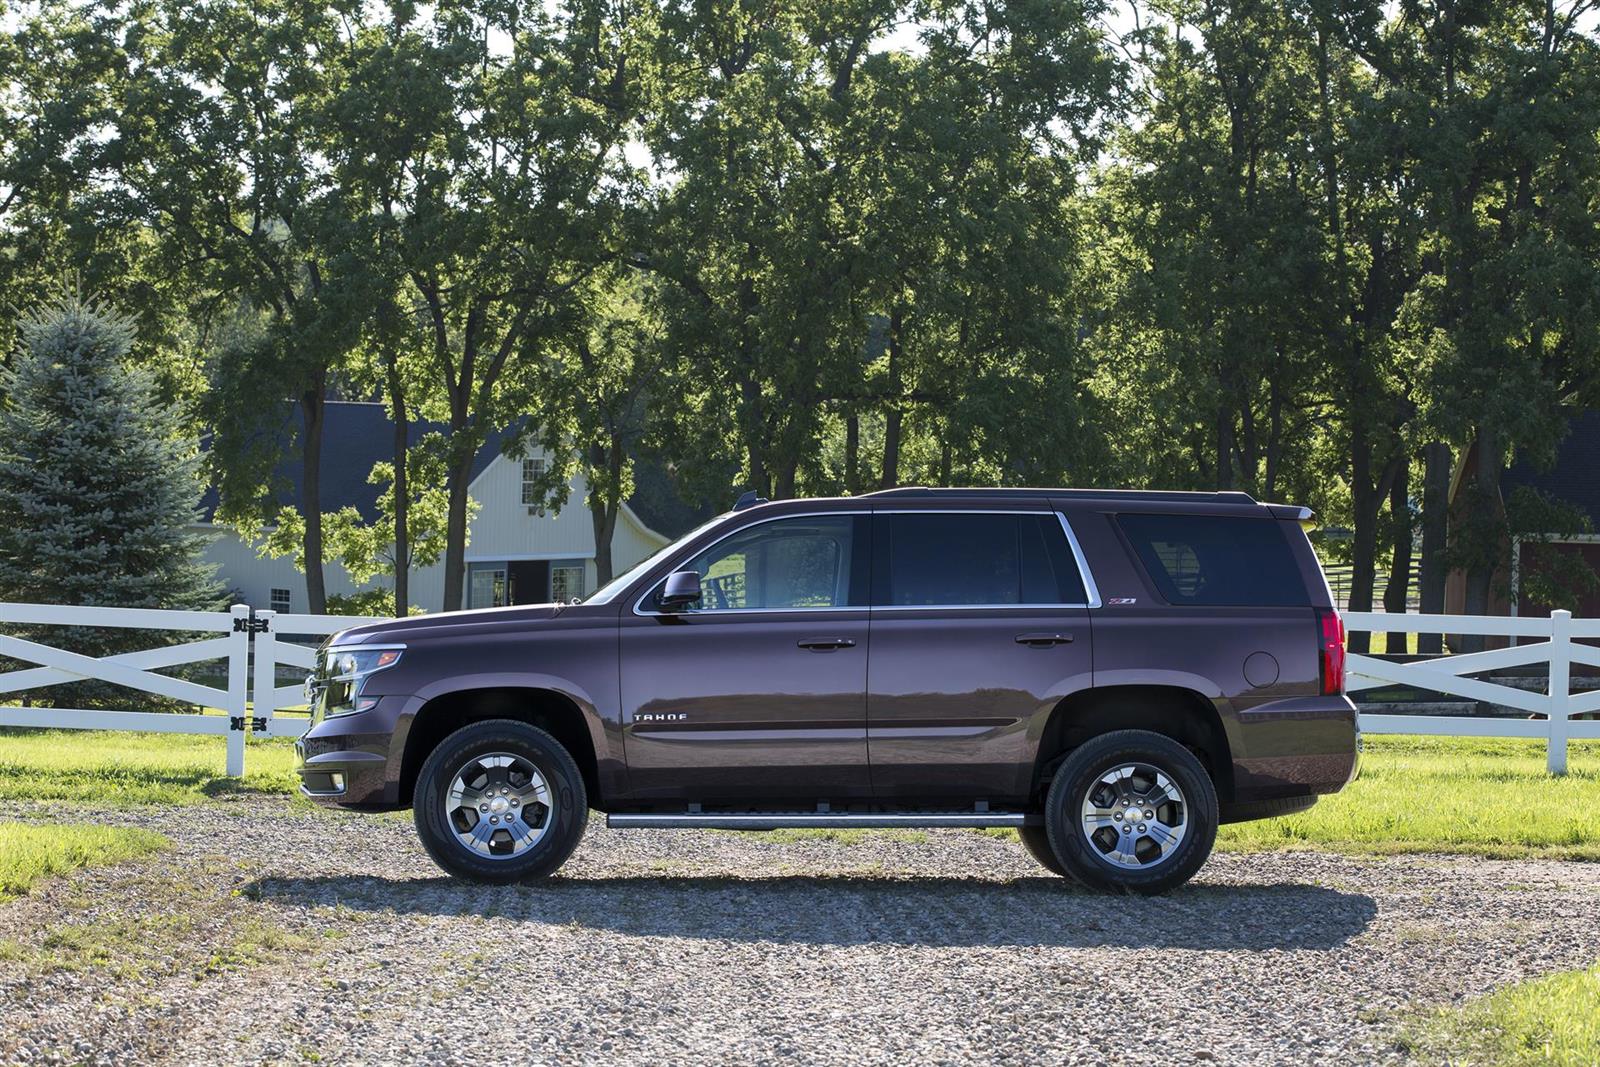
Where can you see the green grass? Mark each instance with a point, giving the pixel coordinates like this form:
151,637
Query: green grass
1488,797
124,768
29,853
1478,796
1553,1021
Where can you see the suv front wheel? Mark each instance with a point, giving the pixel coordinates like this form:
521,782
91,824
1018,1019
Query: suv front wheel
500,801
1131,811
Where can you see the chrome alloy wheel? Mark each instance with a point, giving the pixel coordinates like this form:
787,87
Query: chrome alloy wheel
1134,816
499,805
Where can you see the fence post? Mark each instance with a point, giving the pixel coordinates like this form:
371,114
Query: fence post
265,680
238,687
1560,682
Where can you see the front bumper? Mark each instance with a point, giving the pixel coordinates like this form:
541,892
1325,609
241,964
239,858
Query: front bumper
334,777
347,760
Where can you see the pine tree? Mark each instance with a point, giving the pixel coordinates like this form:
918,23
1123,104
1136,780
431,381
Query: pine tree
99,480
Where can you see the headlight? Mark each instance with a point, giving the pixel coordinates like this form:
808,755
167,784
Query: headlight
350,664
346,671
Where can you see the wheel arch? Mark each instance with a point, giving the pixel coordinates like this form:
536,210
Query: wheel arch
1184,715
552,711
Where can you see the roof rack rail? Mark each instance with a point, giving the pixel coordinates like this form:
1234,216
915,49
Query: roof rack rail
1231,496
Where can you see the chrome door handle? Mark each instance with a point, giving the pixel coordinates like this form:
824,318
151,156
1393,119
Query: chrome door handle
1044,640
826,644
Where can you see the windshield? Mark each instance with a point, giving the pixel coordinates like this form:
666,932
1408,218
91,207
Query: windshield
613,589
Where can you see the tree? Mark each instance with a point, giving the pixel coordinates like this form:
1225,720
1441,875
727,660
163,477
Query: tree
601,381
1213,326
65,68
98,477
1499,109
218,153
409,530
874,242
488,139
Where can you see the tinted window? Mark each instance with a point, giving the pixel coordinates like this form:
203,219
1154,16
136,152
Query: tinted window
787,563
1210,560
955,559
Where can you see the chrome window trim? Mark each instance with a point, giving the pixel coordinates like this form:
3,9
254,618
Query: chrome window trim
1091,590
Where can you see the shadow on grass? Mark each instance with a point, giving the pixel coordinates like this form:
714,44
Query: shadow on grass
858,910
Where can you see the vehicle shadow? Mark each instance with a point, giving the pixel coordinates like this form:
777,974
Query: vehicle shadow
870,910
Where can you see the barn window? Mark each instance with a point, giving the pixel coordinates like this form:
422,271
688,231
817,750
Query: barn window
532,472
566,582
280,600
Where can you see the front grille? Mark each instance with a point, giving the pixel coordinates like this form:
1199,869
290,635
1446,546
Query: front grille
316,687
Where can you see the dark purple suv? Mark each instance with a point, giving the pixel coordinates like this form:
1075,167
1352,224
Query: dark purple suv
1111,673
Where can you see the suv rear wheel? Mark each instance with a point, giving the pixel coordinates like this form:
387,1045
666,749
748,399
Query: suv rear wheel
1131,811
500,801
1036,839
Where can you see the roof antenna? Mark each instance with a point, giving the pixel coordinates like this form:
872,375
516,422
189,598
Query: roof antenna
748,500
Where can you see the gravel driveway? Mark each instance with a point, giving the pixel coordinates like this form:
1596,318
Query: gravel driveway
280,934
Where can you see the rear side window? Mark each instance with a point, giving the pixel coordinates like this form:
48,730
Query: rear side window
1217,561
941,559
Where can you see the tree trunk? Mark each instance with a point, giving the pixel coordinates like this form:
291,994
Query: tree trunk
852,454
1224,448
603,510
893,416
1435,532
312,412
603,519
1269,486
1367,499
1486,531
457,477
1364,543
1394,597
402,491
755,433
783,487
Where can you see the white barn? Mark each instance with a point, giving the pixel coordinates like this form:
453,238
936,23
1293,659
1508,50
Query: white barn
517,552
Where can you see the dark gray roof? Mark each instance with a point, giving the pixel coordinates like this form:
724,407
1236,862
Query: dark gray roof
1574,477
355,436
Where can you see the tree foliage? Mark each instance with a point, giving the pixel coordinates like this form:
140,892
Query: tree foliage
820,246
98,478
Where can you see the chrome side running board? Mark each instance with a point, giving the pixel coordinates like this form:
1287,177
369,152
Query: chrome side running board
817,820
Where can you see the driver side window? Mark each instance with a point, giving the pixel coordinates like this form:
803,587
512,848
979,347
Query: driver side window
799,563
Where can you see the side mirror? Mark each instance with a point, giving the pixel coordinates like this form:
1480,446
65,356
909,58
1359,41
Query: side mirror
681,590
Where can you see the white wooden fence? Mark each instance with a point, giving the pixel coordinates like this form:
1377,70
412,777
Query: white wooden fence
1554,643
140,670
239,628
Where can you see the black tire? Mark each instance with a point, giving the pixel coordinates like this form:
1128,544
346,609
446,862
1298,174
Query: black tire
1149,872
562,821
1036,839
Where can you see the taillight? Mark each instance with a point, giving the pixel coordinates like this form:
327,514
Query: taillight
1331,630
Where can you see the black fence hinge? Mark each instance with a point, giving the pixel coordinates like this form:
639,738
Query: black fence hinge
249,625
258,723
